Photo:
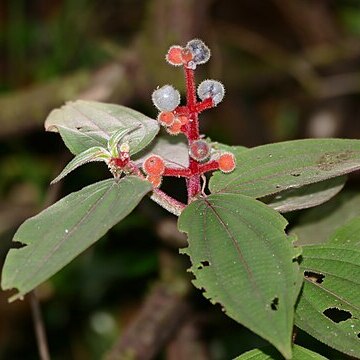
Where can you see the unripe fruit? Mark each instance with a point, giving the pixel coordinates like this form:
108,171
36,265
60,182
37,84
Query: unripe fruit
166,98
155,180
166,118
175,128
199,51
174,55
154,165
199,150
226,162
211,89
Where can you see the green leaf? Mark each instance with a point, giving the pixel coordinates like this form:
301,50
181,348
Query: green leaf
114,140
329,305
96,153
307,196
347,235
243,260
85,124
316,225
273,168
269,353
61,232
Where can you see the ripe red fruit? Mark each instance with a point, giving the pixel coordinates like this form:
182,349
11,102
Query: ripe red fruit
166,118
175,128
226,162
154,165
174,55
183,119
155,180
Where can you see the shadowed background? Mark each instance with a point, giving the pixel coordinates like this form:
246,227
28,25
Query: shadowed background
290,69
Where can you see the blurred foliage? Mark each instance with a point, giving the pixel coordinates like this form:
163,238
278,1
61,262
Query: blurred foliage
291,70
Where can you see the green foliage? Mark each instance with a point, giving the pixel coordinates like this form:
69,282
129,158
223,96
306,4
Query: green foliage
328,307
307,196
61,232
268,353
243,260
270,169
85,124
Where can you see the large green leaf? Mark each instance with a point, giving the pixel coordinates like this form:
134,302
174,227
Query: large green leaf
269,353
347,235
316,225
61,232
243,260
329,305
307,196
273,168
85,124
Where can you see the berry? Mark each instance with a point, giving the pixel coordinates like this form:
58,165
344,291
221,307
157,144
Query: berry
155,180
186,55
166,98
199,150
211,89
199,51
174,55
226,162
183,119
166,118
175,128
154,165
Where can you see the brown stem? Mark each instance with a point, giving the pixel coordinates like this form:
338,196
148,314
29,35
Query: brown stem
39,327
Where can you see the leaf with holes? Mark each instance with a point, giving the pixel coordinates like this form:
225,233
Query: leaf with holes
244,261
329,305
317,225
61,232
269,353
306,196
85,124
270,169
348,234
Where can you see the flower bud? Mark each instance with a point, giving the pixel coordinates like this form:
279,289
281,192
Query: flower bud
154,165
200,52
226,162
166,98
211,89
199,150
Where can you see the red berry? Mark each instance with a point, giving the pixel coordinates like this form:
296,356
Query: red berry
183,119
175,128
226,162
154,165
166,118
155,180
186,55
174,55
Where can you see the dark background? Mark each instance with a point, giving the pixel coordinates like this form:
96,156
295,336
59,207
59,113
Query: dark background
290,69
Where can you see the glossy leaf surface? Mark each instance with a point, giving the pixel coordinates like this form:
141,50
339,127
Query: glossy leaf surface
270,169
85,124
61,232
243,260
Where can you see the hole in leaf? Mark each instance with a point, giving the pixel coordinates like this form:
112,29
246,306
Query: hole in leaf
278,186
314,277
297,259
275,304
296,174
337,315
358,335
17,245
203,264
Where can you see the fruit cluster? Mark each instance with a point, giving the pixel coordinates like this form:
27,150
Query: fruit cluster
184,119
